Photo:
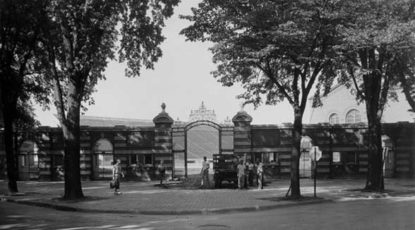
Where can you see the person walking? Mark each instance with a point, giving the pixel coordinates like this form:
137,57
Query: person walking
116,176
162,171
260,175
251,167
205,174
241,174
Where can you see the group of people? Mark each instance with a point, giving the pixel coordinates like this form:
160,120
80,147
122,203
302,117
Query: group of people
117,174
250,174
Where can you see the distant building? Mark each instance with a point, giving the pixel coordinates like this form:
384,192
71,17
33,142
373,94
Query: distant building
340,107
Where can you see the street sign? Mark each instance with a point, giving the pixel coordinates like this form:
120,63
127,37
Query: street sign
315,152
336,157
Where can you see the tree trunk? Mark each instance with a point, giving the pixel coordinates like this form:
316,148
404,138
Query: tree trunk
295,154
71,135
8,100
10,156
374,181
73,187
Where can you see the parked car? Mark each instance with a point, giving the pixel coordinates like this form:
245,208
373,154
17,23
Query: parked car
225,169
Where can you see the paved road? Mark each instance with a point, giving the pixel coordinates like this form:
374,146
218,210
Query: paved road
148,198
18,216
360,213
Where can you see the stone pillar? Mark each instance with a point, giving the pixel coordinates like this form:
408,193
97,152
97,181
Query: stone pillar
44,159
242,133
162,148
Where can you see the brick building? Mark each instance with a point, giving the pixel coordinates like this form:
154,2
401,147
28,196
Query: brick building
142,144
340,107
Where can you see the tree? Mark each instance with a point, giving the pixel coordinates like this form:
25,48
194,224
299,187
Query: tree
277,50
404,68
82,38
375,49
19,76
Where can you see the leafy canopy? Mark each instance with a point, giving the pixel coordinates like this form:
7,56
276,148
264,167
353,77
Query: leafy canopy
379,42
275,49
20,77
85,34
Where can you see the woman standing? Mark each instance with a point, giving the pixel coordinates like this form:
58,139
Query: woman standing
116,176
260,175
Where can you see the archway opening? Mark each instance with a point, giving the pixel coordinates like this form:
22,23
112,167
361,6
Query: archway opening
202,140
103,157
28,161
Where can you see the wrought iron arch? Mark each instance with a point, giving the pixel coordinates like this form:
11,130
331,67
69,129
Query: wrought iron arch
202,122
196,124
182,131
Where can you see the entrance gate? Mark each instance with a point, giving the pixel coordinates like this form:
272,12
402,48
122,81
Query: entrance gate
180,143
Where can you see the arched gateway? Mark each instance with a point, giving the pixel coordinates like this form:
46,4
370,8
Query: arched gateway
187,160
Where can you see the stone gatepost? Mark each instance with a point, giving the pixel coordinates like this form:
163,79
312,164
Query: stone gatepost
162,149
242,134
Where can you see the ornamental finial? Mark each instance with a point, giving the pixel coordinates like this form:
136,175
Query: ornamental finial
163,106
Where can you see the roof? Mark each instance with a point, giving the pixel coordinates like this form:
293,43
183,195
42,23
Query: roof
93,121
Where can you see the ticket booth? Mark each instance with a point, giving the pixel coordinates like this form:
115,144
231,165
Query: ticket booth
102,159
388,156
28,161
305,159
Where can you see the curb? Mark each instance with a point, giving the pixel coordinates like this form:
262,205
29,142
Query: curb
172,212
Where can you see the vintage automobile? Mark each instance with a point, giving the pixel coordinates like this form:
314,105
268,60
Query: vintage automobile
225,169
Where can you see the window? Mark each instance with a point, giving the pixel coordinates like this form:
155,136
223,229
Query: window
353,116
133,159
334,119
148,159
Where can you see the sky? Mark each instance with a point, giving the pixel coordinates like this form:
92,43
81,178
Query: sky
181,78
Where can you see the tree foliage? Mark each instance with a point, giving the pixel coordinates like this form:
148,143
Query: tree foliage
263,44
20,76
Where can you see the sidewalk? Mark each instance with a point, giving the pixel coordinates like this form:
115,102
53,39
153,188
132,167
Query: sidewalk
150,198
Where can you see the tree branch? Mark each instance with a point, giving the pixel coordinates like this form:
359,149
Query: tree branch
269,73
356,86
384,93
58,94
406,87
294,86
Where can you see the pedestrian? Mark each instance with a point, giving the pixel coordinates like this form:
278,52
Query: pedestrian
250,173
116,176
241,174
205,174
260,175
162,171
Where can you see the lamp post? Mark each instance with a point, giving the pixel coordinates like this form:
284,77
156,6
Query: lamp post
315,172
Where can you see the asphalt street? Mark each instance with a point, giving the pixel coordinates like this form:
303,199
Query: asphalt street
356,213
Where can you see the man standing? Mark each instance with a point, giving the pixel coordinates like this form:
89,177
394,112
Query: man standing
116,176
162,172
205,174
241,174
